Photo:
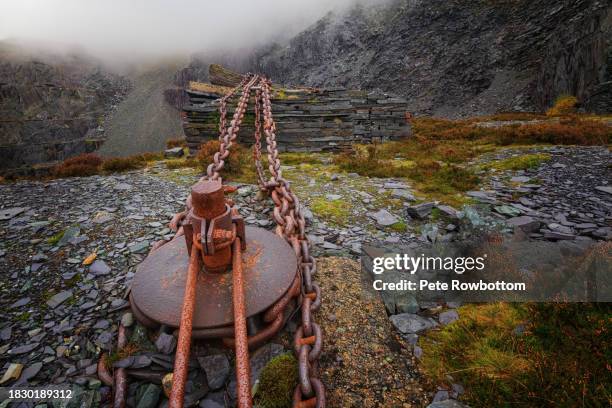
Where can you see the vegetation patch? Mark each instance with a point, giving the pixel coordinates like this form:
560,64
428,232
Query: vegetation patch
400,227
547,354
568,130
296,159
564,105
336,211
181,163
119,164
176,142
53,240
238,165
82,165
277,381
528,161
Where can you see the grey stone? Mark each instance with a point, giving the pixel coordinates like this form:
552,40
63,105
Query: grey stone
411,323
139,247
525,223
148,396
8,213
174,152
507,210
449,403
393,185
482,197
6,333
70,234
430,232
420,211
123,186
217,369
102,324
604,189
102,217
441,395
165,343
59,298
21,302
333,197
448,317
99,268
558,236
448,211
384,218
127,319
407,304
520,179
402,194
23,349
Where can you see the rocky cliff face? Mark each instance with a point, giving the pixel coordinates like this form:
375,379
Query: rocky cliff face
52,108
455,58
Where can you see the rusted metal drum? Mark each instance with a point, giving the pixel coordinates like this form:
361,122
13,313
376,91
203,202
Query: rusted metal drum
269,268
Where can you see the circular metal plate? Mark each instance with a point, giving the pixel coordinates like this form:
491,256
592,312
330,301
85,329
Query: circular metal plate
269,267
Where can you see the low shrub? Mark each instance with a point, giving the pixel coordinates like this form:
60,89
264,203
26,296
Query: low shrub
176,142
82,165
181,163
532,355
119,164
238,165
367,163
564,105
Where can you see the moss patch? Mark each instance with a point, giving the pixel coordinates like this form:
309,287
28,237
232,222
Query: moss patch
277,381
55,238
528,161
336,211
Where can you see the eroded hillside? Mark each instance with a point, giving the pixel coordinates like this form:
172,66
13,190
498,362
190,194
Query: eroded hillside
457,58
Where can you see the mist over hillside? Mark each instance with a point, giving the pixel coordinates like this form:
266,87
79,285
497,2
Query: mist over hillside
457,58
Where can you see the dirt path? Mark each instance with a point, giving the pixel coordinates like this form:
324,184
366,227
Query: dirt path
364,363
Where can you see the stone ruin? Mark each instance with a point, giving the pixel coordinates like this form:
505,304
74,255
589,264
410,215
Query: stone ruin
307,119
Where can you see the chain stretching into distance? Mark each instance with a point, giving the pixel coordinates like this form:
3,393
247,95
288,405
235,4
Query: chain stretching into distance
291,225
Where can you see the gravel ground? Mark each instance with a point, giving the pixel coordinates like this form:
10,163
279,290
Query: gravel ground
365,363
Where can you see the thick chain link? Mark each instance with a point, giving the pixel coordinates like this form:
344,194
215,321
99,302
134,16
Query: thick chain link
291,225
229,136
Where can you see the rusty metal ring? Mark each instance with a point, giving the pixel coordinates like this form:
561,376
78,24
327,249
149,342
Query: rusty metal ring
316,304
306,321
304,371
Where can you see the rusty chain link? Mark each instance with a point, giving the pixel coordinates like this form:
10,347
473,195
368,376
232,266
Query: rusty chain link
291,225
228,137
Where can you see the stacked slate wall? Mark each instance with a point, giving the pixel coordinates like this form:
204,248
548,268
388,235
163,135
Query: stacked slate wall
306,119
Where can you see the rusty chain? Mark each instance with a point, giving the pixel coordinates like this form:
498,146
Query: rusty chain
229,136
291,225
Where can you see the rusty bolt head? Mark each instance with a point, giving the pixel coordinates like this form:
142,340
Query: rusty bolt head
208,199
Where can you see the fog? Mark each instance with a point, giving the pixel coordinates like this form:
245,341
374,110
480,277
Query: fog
132,29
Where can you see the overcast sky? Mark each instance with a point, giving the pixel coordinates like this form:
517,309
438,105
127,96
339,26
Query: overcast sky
158,26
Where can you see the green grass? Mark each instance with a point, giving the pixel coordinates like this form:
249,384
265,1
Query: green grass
336,211
528,161
295,159
400,227
560,360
